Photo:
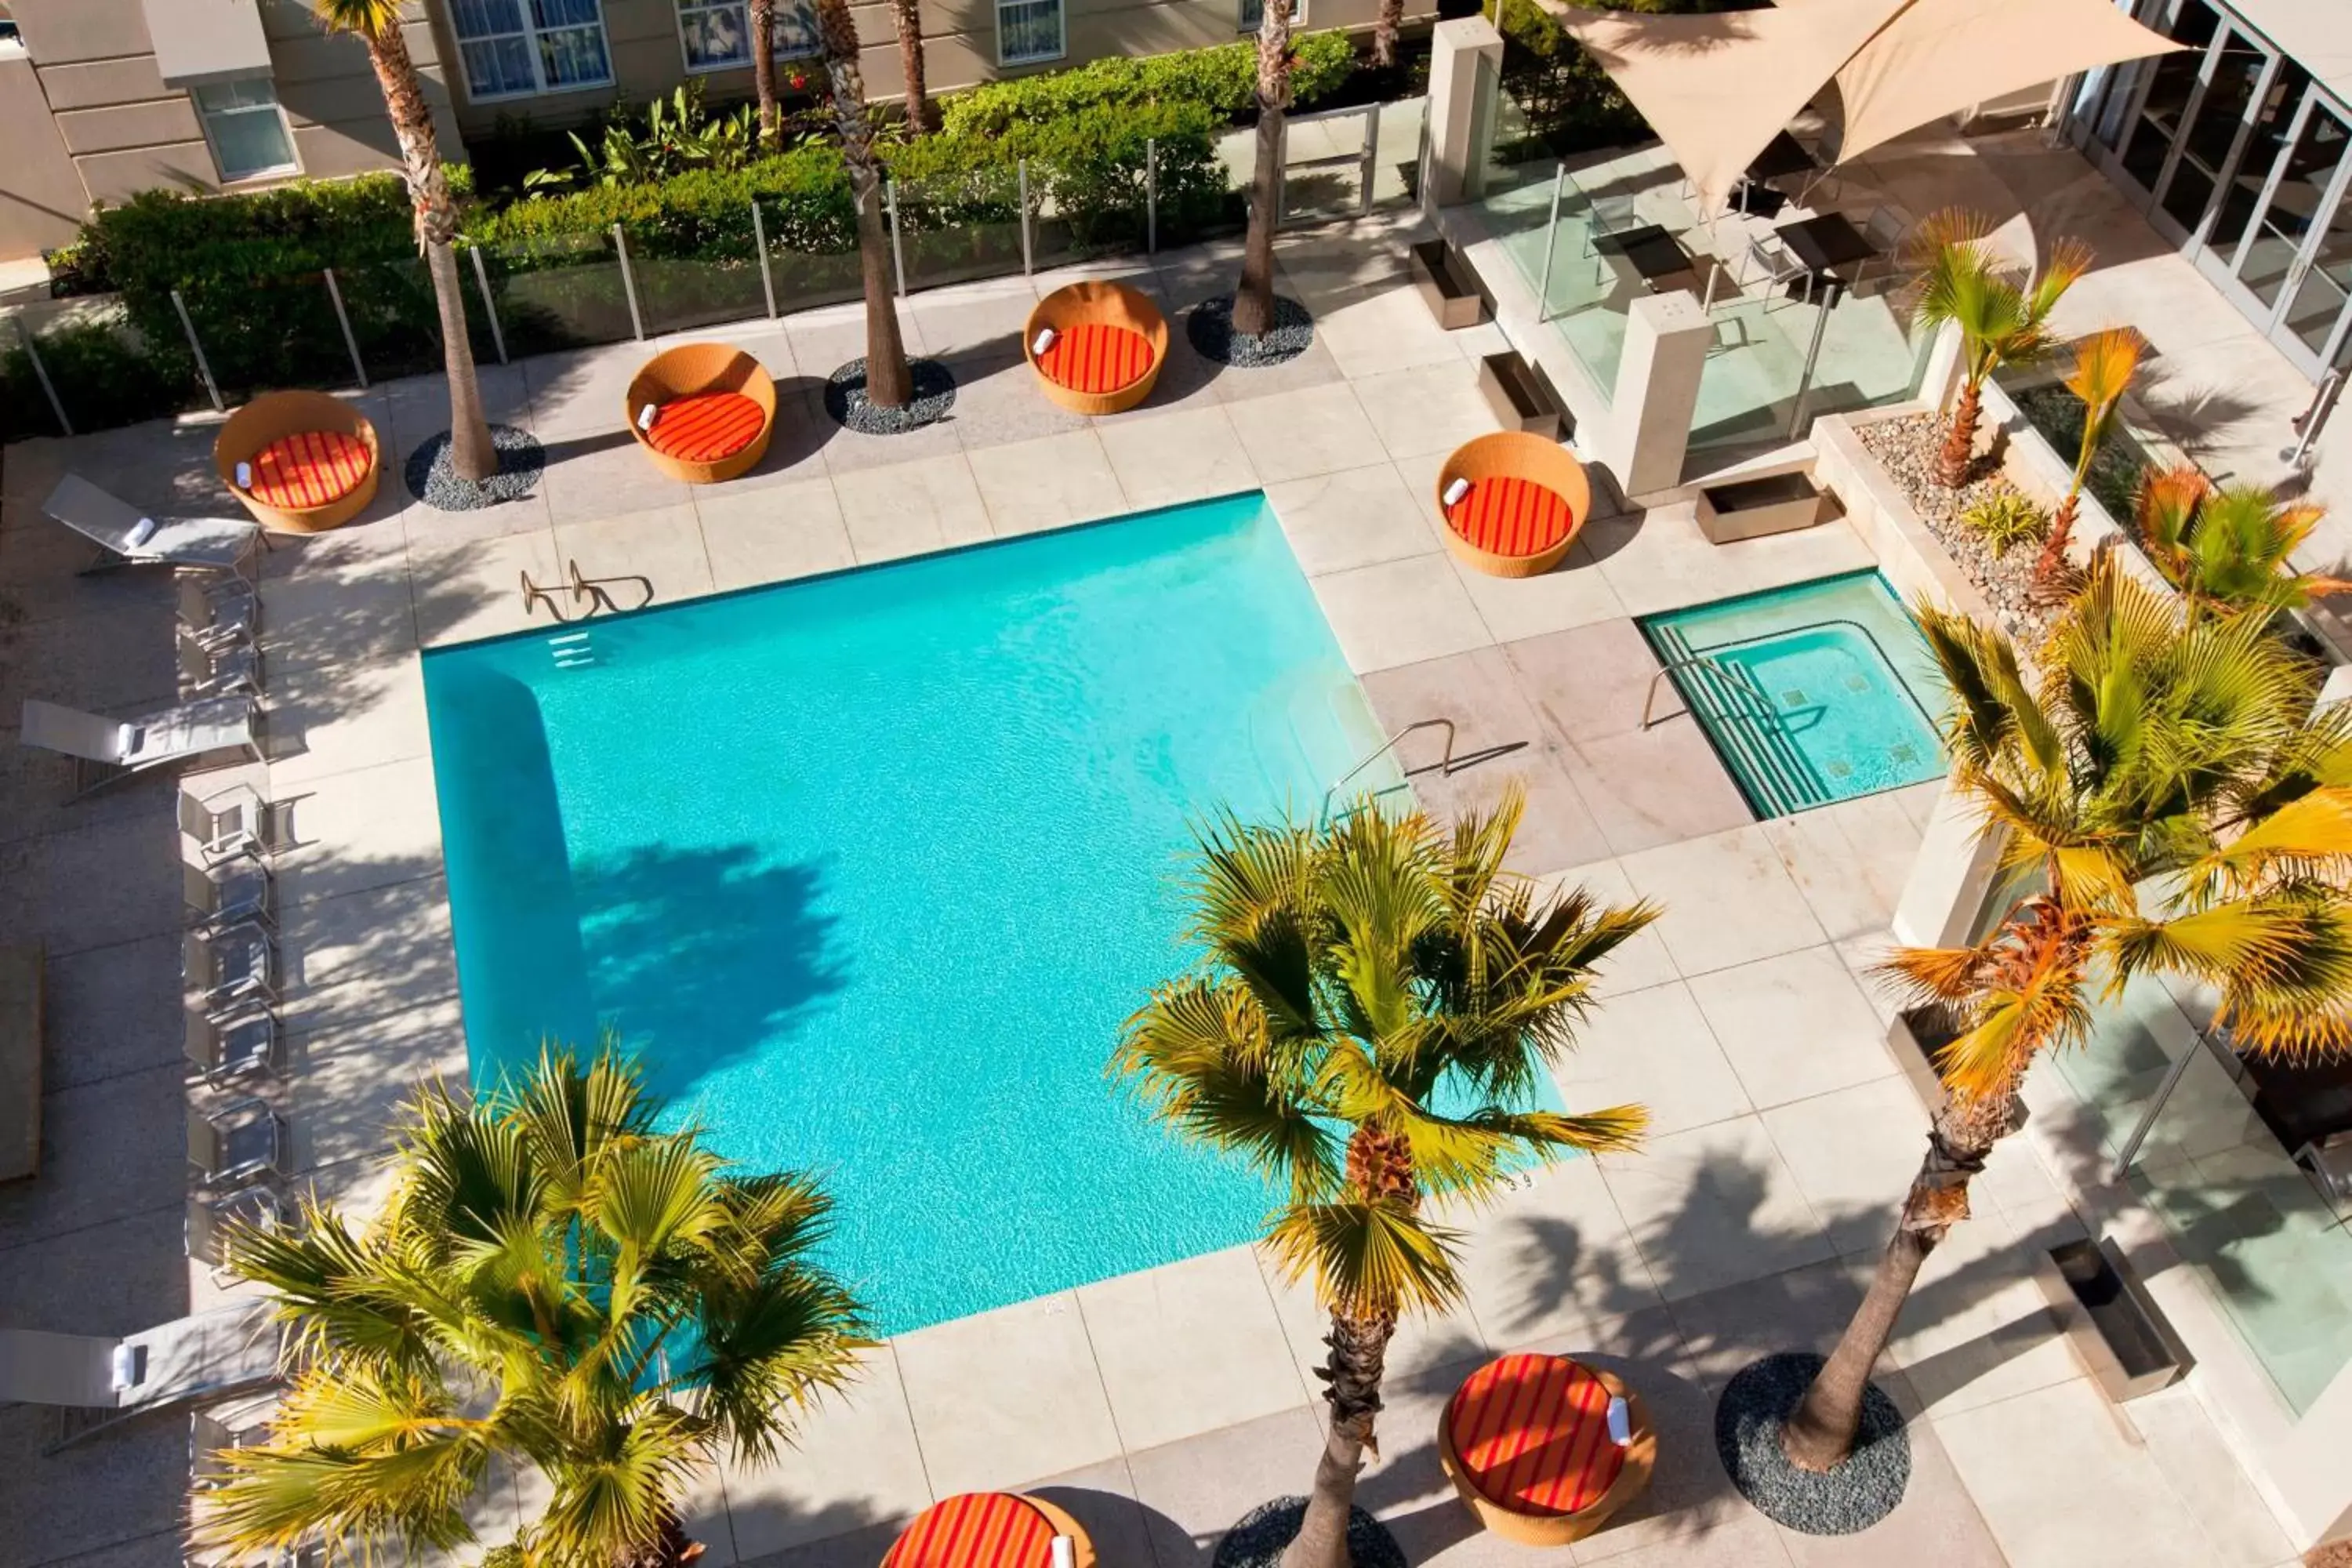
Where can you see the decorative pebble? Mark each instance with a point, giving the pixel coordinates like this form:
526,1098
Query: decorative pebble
933,388
1863,1489
430,479
1908,449
1210,325
1258,1537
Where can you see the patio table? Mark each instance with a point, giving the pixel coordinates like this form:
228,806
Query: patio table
1655,254
1826,243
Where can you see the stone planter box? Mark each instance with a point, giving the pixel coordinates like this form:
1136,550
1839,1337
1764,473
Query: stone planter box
1522,399
1446,285
1751,508
2117,1334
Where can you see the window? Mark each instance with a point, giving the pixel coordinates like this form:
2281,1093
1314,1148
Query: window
243,124
1252,15
1028,31
516,46
717,33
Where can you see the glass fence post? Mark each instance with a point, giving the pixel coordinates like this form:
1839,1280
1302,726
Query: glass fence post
629,283
767,278
1805,380
41,374
897,250
204,367
1551,246
1028,254
489,305
1368,171
343,320
1152,195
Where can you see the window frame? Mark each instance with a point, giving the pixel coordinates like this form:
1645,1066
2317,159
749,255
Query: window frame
1061,34
530,33
1247,29
679,9
277,106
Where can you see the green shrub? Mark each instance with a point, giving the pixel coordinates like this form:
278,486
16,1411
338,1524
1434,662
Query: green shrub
1222,80
2005,519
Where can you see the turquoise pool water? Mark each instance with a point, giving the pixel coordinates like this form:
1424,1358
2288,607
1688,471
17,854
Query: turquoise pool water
1811,694
869,870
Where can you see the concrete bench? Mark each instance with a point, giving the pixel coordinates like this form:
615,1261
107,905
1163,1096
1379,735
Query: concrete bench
20,1062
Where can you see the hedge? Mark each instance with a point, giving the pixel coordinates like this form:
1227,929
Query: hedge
1223,80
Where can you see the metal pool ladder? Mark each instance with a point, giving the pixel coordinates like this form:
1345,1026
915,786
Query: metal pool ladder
1445,763
588,591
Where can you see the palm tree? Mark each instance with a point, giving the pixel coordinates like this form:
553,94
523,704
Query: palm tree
2104,363
2004,318
2227,550
1384,33
376,24
762,15
2156,748
552,1283
922,114
1254,302
1357,978
888,385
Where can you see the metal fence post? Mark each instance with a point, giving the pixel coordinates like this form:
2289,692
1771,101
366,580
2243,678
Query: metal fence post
1371,158
343,319
1805,380
1028,254
489,305
767,278
1152,195
204,367
898,251
41,374
629,283
1551,246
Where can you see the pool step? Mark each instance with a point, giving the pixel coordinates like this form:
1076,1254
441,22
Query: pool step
1740,718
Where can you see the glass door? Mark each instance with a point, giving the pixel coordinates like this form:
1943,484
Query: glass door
2313,320
2215,129
2143,141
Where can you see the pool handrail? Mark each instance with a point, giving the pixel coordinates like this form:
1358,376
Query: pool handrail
1698,656
1445,763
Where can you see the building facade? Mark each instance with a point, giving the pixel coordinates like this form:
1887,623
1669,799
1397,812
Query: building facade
102,98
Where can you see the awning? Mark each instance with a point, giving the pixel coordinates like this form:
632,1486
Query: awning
206,40
1717,88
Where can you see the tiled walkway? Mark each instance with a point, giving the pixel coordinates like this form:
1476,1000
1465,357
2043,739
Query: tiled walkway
1160,1407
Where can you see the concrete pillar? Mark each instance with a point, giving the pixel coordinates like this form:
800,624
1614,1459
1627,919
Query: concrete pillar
1461,109
1942,377
1666,340
1957,863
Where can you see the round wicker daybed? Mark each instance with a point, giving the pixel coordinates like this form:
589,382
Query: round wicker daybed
988,1530
1526,499
311,462
1526,1442
1108,345
702,413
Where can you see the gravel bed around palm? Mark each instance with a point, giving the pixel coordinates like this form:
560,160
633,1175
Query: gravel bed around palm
1908,449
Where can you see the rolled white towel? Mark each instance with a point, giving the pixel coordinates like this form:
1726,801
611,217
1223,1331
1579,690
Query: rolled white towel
646,416
1065,1552
1455,492
1621,1422
1045,336
126,738
142,532
245,476
125,1367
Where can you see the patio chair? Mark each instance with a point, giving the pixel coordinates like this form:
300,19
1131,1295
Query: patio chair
210,1355
702,413
298,461
125,536
242,1142
229,892
220,614
105,751
207,1234
210,1438
1103,344
229,964
236,1042
1609,214
228,669
1887,228
235,821
1770,262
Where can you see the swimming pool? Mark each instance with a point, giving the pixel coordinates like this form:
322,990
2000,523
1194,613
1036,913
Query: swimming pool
1809,694
869,870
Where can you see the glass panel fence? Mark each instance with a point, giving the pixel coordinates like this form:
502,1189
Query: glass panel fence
104,370
708,275
813,254
563,291
952,228
396,320
264,332
1104,212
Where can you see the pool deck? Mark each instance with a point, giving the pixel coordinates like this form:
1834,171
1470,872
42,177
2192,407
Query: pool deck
1160,1407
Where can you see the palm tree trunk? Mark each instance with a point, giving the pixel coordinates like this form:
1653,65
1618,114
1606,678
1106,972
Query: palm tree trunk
1254,302
764,71
922,115
1353,1370
2052,560
1960,444
887,383
471,455
1820,1435
1384,33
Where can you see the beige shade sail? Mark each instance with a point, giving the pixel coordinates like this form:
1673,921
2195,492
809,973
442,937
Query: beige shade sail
1717,88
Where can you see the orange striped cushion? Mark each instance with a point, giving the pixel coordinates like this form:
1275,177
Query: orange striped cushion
309,468
1094,356
977,1529
1512,517
704,427
1533,1432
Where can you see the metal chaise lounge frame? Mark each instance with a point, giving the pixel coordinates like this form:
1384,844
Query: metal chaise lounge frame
105,751
108,521
188,1361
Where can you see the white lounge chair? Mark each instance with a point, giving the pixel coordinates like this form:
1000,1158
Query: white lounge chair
125,536
235,1042
242,1142
208,1356
107,750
